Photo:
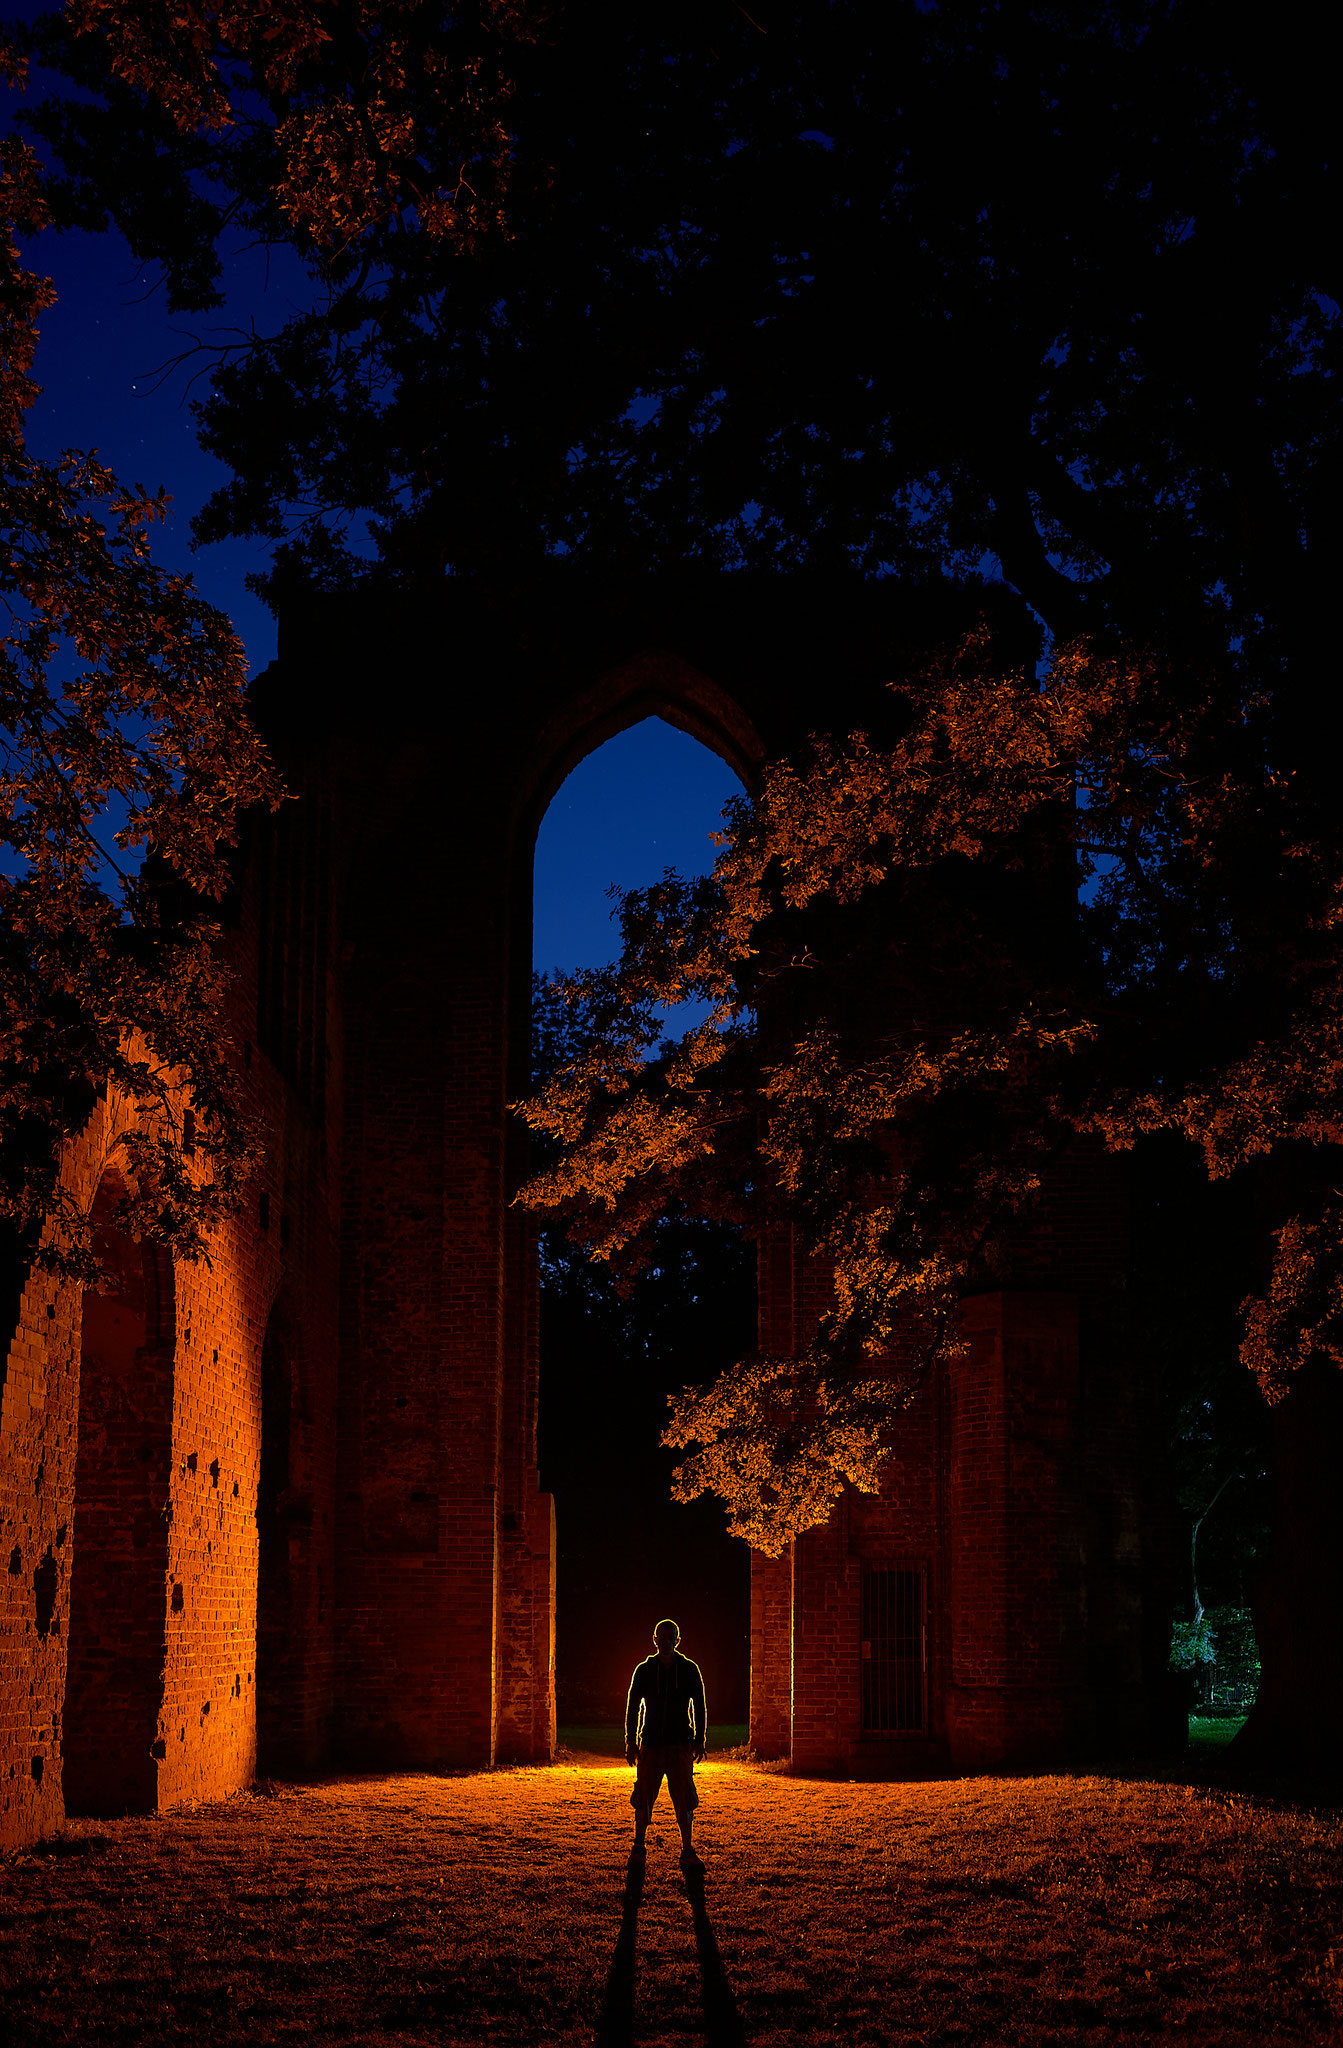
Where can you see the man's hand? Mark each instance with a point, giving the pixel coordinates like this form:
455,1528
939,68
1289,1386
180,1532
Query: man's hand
699,1752
632,1755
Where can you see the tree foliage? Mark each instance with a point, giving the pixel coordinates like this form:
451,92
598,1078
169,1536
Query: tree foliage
342,119
121,697
915,1022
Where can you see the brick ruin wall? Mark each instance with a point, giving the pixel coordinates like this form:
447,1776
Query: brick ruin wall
1018,1488
356,1563
130,1466
129,1522
306,1500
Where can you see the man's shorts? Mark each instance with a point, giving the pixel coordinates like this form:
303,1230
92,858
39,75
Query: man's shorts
673,1761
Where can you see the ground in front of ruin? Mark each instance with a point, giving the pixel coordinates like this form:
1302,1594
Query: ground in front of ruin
499,1908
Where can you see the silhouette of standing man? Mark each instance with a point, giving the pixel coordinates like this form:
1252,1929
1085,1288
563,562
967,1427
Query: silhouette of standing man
665,1732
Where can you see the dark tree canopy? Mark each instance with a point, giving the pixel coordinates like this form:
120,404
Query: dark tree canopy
126,758
899,288
1031,293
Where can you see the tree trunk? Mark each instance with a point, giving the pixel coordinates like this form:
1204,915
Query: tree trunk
1297,1604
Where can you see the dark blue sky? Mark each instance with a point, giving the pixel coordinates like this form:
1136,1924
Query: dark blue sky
646,801
100,357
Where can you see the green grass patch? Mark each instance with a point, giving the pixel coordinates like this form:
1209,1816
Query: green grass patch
1214,1731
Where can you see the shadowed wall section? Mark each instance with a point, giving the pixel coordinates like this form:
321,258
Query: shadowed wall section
1008,1532
293,1674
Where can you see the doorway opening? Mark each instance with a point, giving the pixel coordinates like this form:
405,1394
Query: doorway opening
895,1651
118,1592
628,1555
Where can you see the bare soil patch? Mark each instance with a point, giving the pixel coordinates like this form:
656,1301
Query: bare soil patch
498,1908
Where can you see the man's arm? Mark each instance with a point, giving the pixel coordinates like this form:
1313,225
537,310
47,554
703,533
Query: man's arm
701,1712
632,1705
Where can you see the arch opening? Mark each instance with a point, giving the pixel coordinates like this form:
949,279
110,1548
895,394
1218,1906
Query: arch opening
117,1645
642,801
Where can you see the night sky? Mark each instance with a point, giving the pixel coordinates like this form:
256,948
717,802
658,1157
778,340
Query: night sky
646,801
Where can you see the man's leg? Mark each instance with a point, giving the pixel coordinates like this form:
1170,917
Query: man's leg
647,1785
684,1797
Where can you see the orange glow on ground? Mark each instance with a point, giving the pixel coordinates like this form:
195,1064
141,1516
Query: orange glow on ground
489,1908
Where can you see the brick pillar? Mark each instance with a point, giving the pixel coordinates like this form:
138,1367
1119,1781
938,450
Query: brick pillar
421,1368
526,1680
543,1627
826,1647
772,1653
1016,1692
525,1641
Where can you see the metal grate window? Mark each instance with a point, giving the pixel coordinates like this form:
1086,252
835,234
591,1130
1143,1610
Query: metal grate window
895,1635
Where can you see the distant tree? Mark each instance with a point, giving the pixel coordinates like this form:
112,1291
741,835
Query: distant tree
121,699
1197,1245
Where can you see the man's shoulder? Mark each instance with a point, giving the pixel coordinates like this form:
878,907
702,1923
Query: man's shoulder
690,1663
645,1665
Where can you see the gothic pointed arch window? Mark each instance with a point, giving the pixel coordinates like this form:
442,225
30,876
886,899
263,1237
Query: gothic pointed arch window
646,800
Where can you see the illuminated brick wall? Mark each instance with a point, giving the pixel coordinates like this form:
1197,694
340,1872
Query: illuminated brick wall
206,1744
356,1562
1015,1488
131,1438
136,1481
37,1458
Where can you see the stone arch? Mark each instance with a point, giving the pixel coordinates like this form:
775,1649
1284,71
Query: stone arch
117,1630
653,684
442,1647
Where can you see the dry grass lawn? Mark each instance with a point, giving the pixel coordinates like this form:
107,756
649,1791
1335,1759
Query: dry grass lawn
496,1909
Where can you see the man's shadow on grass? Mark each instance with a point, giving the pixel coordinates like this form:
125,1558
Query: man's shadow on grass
615,2028
722,2021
